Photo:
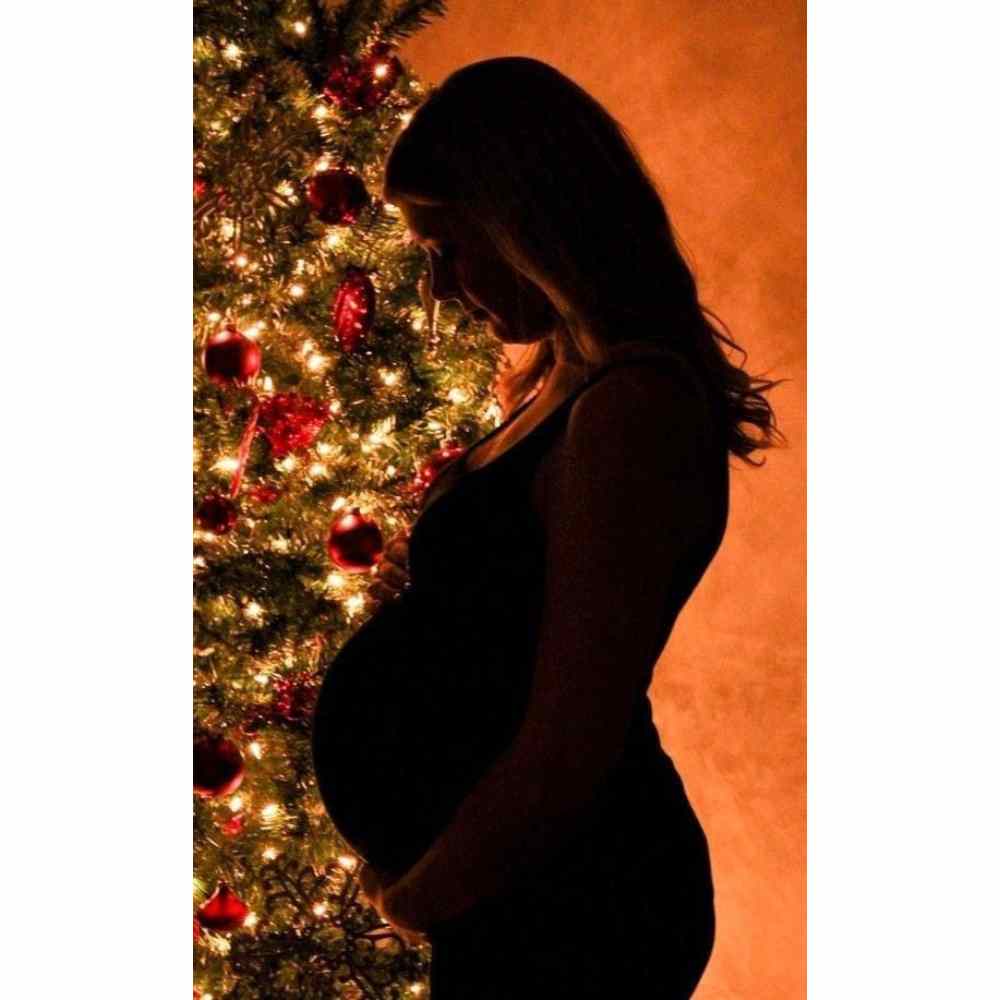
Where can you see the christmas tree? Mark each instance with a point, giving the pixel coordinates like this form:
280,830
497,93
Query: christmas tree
326,388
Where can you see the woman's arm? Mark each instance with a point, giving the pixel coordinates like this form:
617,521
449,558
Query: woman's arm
624,505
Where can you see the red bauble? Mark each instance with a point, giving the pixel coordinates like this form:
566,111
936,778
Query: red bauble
264,493
216,513
359,87
432,467
233,826
291,421
337,196
230,358
295,697
223,910
352,309
354,542
218,767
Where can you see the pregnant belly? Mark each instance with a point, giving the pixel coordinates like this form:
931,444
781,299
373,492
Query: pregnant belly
406,722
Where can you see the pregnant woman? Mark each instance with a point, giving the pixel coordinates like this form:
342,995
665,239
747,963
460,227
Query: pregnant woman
485,740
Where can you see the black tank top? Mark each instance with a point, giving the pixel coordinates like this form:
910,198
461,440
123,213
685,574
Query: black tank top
432,688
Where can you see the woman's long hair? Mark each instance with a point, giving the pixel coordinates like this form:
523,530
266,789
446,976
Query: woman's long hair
558,186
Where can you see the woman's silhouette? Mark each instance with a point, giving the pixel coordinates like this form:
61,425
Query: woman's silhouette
485,740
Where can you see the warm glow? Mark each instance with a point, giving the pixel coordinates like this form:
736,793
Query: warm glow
318,470
347,861
457,395
250,920
381,69
335,581
214,317
406,117
332,240
296,291
389,377
232,52
262,678
320,909
288,463
270,810
241,260
227,464
253,611
320,112
354,603
300,28
236,803
338,503
317,362
324,449
270,853
256,749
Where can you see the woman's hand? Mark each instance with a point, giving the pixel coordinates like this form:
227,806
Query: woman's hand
375,891
392,572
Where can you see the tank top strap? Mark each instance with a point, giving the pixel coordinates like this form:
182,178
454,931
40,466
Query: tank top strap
666,360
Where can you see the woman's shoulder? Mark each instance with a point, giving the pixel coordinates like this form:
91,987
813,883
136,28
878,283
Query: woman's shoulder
646,386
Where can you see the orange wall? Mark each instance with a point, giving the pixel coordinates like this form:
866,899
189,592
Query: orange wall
714,95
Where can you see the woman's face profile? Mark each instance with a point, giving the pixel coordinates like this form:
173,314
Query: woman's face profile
465,265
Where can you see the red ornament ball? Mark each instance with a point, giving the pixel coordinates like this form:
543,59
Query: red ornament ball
352,309
264,493
432,467
337,197
230,358
223,910
291,421
357,87
218,767
216,513
233,826
295,697
354,542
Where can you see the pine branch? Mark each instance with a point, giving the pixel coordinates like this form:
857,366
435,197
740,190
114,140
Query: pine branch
412,16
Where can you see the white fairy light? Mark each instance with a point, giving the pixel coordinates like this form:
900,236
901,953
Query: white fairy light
338,503
335,580
300,28
232,52
333,240
320,112
457,395
270,853
256,749
236,803
227,464
296,291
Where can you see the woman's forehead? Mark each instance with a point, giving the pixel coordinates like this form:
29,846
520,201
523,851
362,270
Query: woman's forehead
426,221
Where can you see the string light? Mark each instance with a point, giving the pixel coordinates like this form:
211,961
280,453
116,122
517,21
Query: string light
318,470
270,811
333,240
288,463
338,503
214,317
335,581
457,395
347,861
320,112
296,291
270,853
323,449
232,52
236,803
418,324
317,362
256,749
406,117
262,678
389,377
300,28
322,164
380,70
320,909
253,611
354,603
227,464
250,920
241,260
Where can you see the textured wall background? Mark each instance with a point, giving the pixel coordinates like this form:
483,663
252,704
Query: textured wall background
714,95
